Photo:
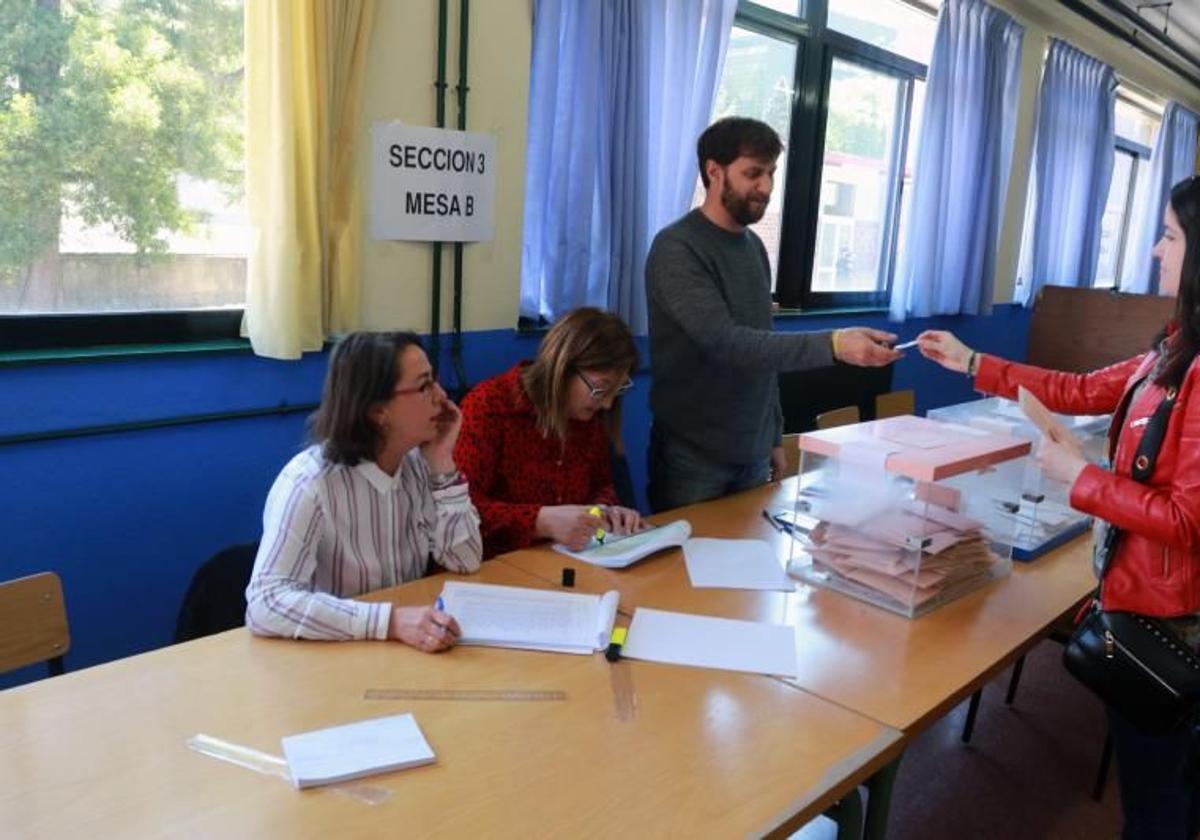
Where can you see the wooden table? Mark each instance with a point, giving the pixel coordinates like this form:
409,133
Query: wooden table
101,752
903,672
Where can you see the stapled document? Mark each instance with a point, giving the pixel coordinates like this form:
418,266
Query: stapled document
532,619
619,552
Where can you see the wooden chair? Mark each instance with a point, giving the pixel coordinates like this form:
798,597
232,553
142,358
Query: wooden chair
33,623
838,417
895,404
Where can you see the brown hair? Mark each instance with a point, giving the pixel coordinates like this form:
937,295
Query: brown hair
585,339
729,138
363,371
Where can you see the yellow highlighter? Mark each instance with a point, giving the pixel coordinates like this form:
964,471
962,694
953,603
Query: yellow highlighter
600,534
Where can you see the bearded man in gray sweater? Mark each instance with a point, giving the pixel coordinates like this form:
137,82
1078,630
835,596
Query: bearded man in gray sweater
714,355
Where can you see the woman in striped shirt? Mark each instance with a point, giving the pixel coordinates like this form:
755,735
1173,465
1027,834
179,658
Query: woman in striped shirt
368,506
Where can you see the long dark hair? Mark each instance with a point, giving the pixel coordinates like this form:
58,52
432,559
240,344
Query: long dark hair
363,371
1184,343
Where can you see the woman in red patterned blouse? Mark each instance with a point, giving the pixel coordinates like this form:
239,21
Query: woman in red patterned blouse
534,444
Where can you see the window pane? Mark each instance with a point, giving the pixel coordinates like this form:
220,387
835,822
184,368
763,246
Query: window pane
788,7
757,82
121,160
892,25
860,139
1136,123
1113,225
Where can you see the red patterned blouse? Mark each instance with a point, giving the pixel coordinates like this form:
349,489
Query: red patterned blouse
512,470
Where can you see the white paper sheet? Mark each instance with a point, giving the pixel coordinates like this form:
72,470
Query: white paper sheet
702,641
619,552
340,753
734,564
533,619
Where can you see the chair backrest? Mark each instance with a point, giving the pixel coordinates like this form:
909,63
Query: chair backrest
895,404
791,451
838,417
804,394
33,623
216,599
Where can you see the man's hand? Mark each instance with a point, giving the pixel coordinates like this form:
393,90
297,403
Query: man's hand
864,347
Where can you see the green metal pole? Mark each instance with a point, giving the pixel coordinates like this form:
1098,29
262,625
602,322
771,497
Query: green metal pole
435,316
460,373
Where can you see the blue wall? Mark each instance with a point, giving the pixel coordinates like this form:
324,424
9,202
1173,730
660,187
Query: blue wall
125,518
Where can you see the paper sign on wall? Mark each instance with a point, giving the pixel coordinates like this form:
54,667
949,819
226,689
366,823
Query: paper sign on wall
432,184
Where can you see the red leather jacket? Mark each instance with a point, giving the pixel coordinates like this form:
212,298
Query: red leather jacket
1156,570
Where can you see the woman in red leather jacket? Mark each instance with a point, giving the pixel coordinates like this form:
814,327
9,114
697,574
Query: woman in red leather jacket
1156,568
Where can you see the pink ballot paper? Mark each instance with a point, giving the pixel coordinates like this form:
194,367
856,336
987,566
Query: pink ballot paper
1046,422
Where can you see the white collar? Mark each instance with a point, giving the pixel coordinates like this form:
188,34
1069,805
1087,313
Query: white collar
376,477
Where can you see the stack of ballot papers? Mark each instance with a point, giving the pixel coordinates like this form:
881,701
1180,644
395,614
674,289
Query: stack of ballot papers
910,554
341,753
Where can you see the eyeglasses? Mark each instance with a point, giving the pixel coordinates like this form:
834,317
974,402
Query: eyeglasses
425,389
601,393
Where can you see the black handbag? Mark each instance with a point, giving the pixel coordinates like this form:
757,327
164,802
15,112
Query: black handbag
1138,664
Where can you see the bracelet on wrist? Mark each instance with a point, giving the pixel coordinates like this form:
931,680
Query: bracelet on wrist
972,363
440,481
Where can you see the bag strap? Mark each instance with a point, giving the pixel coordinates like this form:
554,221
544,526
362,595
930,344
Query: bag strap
1152,440
1143,465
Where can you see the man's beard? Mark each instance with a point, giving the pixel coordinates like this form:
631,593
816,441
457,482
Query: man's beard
740,208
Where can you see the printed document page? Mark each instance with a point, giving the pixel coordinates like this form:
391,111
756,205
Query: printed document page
535,619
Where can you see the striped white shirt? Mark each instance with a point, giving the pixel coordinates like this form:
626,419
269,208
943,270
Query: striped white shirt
331,532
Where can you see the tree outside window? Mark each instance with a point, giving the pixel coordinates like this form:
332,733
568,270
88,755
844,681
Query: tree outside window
121,162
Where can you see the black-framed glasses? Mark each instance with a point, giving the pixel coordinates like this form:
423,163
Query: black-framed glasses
601,393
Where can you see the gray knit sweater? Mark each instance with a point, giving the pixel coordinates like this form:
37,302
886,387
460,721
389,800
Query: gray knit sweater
714,354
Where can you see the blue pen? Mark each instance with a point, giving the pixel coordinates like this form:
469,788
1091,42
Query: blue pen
440,606
775,523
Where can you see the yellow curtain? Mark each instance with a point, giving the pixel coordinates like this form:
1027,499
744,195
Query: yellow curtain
304,81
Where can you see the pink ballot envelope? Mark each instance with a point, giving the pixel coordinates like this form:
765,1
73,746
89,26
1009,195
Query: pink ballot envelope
1046,422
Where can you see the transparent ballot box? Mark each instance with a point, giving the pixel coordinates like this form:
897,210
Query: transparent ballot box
1039,507
877,515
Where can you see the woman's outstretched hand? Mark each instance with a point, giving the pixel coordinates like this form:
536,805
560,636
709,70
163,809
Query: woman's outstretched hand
945,349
